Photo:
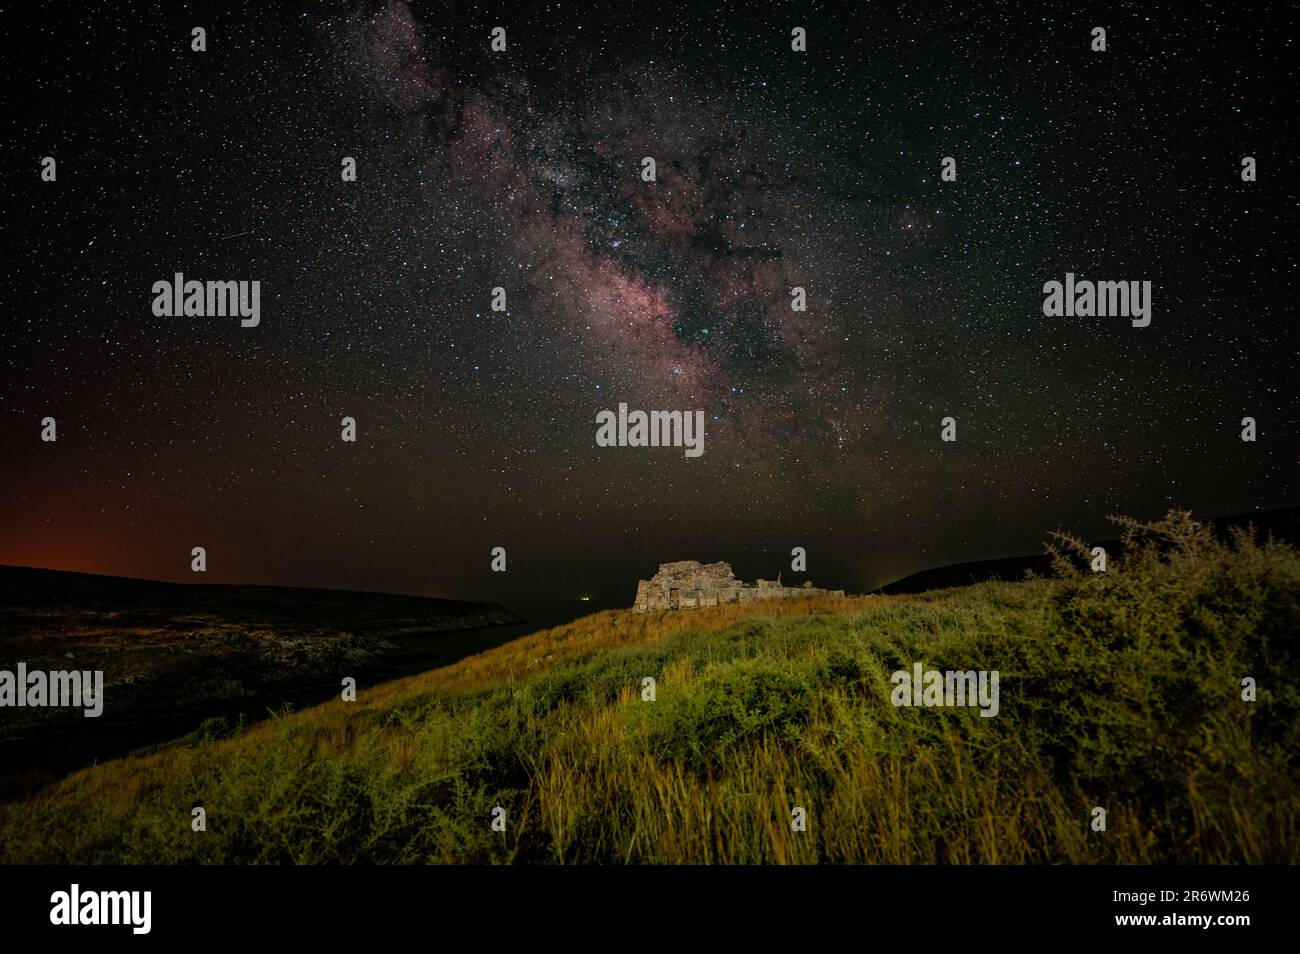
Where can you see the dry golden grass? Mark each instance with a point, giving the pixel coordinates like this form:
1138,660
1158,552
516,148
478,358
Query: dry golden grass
610,629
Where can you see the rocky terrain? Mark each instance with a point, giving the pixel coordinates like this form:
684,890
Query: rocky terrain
172,647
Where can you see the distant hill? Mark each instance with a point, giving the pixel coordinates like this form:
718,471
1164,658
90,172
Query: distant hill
1283,524
184,646
368,612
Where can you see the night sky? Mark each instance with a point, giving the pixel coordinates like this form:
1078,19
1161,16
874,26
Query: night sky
521,169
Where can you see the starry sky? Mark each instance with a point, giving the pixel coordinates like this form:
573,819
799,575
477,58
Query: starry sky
520,169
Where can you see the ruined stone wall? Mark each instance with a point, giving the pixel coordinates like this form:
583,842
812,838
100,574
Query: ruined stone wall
688,584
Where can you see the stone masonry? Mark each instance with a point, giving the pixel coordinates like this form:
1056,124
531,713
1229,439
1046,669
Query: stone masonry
688,584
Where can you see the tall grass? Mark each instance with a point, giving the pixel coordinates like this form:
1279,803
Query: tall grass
1119,690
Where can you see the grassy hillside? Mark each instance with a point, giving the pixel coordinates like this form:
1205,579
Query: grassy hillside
1120,690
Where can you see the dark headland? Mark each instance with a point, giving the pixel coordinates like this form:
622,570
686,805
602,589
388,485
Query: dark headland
1281,524
189,647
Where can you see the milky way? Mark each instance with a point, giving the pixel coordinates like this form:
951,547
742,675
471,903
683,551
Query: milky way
520,169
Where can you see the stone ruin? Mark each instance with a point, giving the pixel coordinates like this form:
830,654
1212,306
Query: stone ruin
689,584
